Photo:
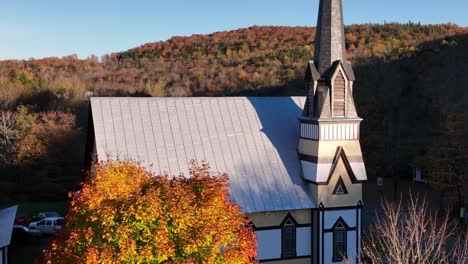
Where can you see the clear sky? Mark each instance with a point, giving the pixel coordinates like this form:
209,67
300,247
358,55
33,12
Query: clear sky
43,28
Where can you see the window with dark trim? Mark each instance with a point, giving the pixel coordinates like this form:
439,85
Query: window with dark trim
288,237
339,241
340,188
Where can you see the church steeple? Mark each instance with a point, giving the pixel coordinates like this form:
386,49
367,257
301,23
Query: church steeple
329,150
330,126
330,40
330,77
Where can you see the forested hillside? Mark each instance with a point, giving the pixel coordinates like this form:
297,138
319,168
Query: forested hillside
410,79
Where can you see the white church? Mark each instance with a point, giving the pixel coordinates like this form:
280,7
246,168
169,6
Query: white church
295,163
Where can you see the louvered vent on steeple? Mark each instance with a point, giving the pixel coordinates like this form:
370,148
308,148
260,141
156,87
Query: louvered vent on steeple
339,95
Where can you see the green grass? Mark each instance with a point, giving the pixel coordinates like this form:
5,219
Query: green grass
31,208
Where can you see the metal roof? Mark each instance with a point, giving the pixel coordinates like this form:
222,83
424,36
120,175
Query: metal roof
7,220
253,139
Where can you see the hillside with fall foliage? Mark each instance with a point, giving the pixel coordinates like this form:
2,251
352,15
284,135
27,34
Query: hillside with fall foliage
411,78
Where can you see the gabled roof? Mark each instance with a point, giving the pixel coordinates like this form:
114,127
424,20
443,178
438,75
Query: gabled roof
341,155
252,139
7,220
312,71
348,69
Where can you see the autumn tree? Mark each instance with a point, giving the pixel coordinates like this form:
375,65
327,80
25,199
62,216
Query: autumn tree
411,233
447,159
43,136
124,214
8,135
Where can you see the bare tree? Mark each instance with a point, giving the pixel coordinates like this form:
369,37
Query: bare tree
8,134
413,234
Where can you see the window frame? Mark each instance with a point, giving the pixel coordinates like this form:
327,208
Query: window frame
289,243
337,247
339,183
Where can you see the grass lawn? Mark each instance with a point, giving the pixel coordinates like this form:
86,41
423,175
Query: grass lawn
31,208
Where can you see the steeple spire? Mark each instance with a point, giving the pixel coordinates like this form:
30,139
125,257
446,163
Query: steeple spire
330,40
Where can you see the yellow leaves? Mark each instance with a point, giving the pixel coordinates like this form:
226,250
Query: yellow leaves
126,215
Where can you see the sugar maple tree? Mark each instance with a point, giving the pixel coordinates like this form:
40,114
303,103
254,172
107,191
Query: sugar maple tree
124,214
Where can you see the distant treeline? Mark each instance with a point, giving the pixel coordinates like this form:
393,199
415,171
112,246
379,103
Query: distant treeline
409,78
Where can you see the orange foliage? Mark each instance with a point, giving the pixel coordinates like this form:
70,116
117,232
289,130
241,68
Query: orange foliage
124,214
218,57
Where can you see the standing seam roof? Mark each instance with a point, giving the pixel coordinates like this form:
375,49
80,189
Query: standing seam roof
252,139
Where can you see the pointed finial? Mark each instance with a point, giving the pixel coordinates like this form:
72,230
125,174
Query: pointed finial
330,39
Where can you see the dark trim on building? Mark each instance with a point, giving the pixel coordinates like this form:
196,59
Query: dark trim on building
340,153
337,208
308,158
311,139
328,159
305,120
322,211
339,120
340,182
360,236
343,222
290,258
311,233
5,256
289,216
317,241
357,234
330,230
265,228
90,139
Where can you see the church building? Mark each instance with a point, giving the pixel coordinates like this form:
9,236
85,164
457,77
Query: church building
295,163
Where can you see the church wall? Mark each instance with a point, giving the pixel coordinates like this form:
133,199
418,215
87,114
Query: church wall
308,147
269,244
325,192
328,253
352,218
303,240
328,149
268,231
274,219
291,261
349,216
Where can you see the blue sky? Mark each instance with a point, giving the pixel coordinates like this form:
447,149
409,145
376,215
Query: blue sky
32,28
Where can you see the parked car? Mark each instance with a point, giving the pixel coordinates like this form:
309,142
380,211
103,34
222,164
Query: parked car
43,215
21,220
24,234
48,225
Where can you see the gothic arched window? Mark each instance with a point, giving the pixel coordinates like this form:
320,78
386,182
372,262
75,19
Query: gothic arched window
288,237
340,247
